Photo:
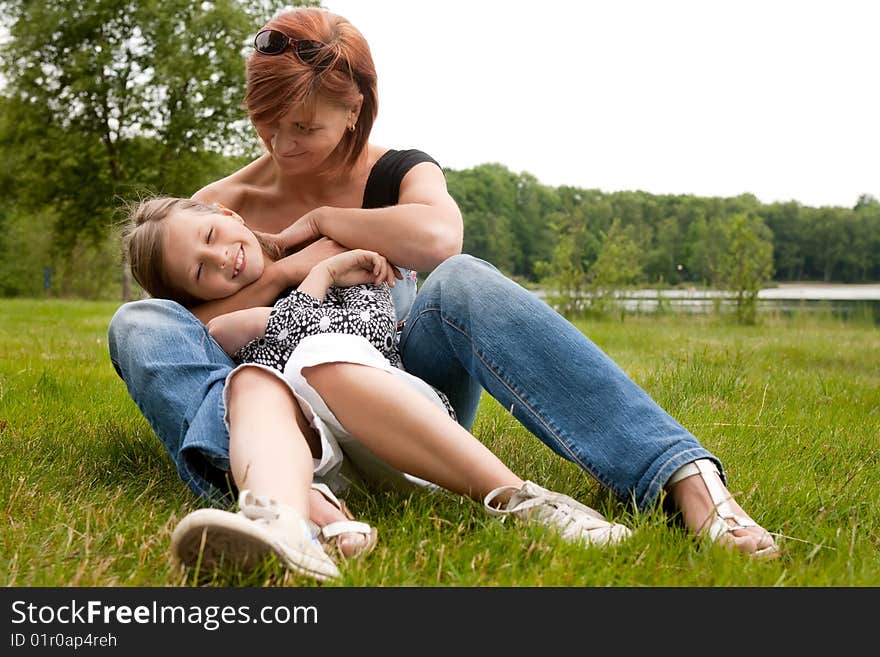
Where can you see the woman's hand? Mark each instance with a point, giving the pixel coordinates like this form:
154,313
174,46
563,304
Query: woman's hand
300,233
272,244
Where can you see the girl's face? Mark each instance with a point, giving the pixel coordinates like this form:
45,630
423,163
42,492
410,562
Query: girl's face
211,255
299,143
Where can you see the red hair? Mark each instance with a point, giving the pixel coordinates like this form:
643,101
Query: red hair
277,83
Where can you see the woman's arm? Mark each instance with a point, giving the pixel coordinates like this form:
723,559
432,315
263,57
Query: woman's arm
419,233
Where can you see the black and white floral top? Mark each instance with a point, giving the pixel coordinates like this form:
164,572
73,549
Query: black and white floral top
364,310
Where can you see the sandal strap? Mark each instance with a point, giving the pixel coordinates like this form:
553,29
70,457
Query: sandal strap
349,526
722,511
490,497
685,471
344,527
718,494
324,489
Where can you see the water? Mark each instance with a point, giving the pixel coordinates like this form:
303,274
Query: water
844,301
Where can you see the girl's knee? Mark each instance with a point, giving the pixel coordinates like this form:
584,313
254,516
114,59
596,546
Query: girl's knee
251,387
329,374
253,381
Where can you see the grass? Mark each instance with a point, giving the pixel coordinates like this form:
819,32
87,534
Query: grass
792,407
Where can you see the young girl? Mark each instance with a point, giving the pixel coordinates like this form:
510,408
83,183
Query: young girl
353,410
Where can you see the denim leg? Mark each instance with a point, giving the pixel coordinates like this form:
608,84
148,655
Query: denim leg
175,373
472,327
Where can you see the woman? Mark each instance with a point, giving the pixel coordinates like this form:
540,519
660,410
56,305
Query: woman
311,95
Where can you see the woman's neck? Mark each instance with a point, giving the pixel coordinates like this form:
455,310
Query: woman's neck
317,189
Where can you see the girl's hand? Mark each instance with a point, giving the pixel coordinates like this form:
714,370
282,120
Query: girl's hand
358,267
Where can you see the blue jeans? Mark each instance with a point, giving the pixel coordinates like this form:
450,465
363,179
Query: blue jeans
469,328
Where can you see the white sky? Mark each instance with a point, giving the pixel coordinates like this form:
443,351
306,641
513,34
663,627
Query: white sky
779,98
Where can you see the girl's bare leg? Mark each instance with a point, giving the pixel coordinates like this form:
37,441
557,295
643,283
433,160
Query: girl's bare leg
407,431
271,446
416,436
268,450
271,464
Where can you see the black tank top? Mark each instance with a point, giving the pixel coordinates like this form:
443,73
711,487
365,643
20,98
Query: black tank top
383,184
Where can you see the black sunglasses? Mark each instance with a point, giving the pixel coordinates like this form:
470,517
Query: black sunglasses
273,42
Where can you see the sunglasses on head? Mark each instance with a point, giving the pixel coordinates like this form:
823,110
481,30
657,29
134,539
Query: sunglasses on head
273,42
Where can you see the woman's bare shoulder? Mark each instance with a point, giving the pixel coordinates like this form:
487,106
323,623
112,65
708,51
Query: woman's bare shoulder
375,152
232,190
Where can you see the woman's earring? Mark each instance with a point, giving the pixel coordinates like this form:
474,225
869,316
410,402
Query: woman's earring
352,127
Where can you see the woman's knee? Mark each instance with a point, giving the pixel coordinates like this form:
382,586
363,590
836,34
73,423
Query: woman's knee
467,284
464,267
141,327
146,313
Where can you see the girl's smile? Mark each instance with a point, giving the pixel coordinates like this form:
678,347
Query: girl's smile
212,255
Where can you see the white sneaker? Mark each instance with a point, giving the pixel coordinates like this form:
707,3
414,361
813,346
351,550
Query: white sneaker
261,527
573,520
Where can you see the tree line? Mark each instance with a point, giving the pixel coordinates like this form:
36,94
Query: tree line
106,101
517,222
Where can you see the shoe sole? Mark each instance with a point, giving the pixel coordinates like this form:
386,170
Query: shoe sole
209,538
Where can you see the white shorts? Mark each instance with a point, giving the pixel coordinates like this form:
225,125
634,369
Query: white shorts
343,459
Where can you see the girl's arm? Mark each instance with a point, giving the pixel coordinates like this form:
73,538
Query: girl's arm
300,313
346,269
234,330
419,233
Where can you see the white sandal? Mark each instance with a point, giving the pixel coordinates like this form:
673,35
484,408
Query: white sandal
723,511
262,527
330,535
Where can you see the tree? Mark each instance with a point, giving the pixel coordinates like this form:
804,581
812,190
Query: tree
487,235
828,240
118,97
618,266
867,212
534,202
747,263
789,236
564,276
661,263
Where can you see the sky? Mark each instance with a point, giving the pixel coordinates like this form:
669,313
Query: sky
776,98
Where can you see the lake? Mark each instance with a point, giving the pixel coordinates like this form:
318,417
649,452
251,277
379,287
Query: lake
840,300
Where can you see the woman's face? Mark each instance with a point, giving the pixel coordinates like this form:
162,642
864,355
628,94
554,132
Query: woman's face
211,255
300,144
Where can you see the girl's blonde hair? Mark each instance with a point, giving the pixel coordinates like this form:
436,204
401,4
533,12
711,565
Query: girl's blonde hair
143,246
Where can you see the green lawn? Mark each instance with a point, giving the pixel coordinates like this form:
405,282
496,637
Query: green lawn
792,407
